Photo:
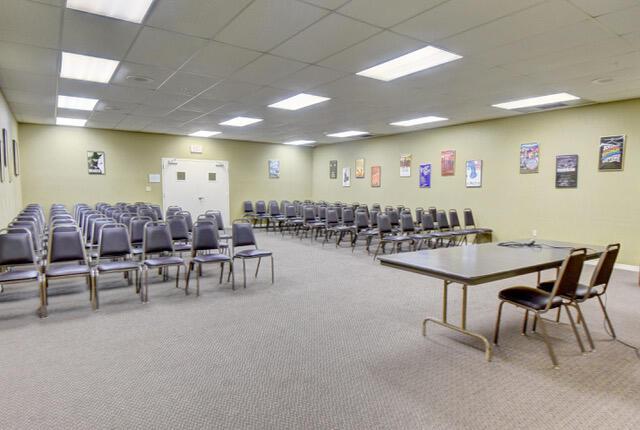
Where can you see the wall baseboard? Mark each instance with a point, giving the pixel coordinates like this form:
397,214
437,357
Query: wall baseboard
619,266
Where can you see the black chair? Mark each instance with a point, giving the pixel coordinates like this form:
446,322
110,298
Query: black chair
470,224
205,249
261,213
136,233
172,210
310,223
18,260
243,236
419,212
157,241
363,231
426,232
179,233
222,231
540,302
597,288
387,235
66,259
114,244
247,207
292,221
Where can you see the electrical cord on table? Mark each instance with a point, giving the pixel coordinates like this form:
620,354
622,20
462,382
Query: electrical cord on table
606,329
534,244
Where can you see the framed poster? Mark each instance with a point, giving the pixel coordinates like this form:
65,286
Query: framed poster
16,158
448,162
473,175
425,175
96,163
346,176
376,176
529,157
405,165
3,155
5,149
611,154
360,168
333,169
274,168
567,171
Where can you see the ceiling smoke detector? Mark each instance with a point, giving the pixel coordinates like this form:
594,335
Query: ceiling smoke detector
601,81
139,78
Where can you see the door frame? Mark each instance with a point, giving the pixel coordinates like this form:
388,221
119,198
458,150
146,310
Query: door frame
164,189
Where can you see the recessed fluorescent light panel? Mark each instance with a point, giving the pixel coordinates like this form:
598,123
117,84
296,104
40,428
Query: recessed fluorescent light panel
349,133
537,101
71,121
205,133
78,103
299,101
86,68
241,121
299,142
418,121
128,10
413,62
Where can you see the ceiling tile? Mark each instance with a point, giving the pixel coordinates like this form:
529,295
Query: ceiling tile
113,106
386,14
111,117
327,4
267,69
157,75
266,96
194,17
28,58
152,111
307,78
375,50
26,81
601,7
202,105
15,96
453,17
335,32
95,90
220,59
267,23
163,48
187,84
95,35
39,110
228,91
159,99
622,22
182,115
134,122
73,113
30,23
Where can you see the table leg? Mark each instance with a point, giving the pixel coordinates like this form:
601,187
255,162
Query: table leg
463,328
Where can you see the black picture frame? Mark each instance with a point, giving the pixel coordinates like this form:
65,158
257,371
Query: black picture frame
16,158
567,171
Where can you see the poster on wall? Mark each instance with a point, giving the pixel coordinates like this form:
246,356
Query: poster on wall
448,162
360,168
567,171
405,165
473,174
346,176
3,156
333,169
425,175
274,168
529,157
1,163
611,155
376,176
96,163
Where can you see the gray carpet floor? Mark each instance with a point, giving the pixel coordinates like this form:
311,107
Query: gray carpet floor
334,344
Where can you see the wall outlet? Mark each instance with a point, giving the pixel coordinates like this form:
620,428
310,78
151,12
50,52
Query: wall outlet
147,188
534,232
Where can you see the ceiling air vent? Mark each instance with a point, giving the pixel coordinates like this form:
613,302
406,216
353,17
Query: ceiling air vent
553,106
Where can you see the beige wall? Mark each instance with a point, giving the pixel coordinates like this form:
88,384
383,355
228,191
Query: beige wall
604,208
56,166
10,190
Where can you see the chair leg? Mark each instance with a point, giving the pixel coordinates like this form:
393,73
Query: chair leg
42,312
186,286
177,276
197,282
188,274
144,292
575,330
221,272
244,273
272,274
545,337
585,327
95,304
258,267
375,255
525,321
606,317
558,315
496,332
233,277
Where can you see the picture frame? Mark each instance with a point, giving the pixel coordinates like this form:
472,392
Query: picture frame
567,171
611,153
376,176
333,169
360,168
346,176
405,165
529,158
274,169
473,174
425,175
448,162
16,158
96,163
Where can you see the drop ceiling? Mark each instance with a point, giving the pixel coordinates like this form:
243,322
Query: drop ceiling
200,63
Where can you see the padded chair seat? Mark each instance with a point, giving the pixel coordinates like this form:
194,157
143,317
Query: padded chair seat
211,258
531,297
253,253
581,291
224,236
396,238
18,275
117,266
68,270
181,247
163,261
136,251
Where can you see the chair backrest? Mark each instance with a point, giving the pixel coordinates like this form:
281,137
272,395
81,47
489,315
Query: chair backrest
569,274
454,221
394,217
419,212
148,212
242,234
33,229
309,214
172,210
347,216
247,206
374,217
97,227
136,229
362,220
218,217
113,241
178,227
187,218
157,238
468,218
443,222
434,212
331,219
322,213
261,207
274,208
427,222
384,224
205,237
604,268
158,211
66,245
16,247
406,222
290,211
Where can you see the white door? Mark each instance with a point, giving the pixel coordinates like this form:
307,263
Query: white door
196,186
